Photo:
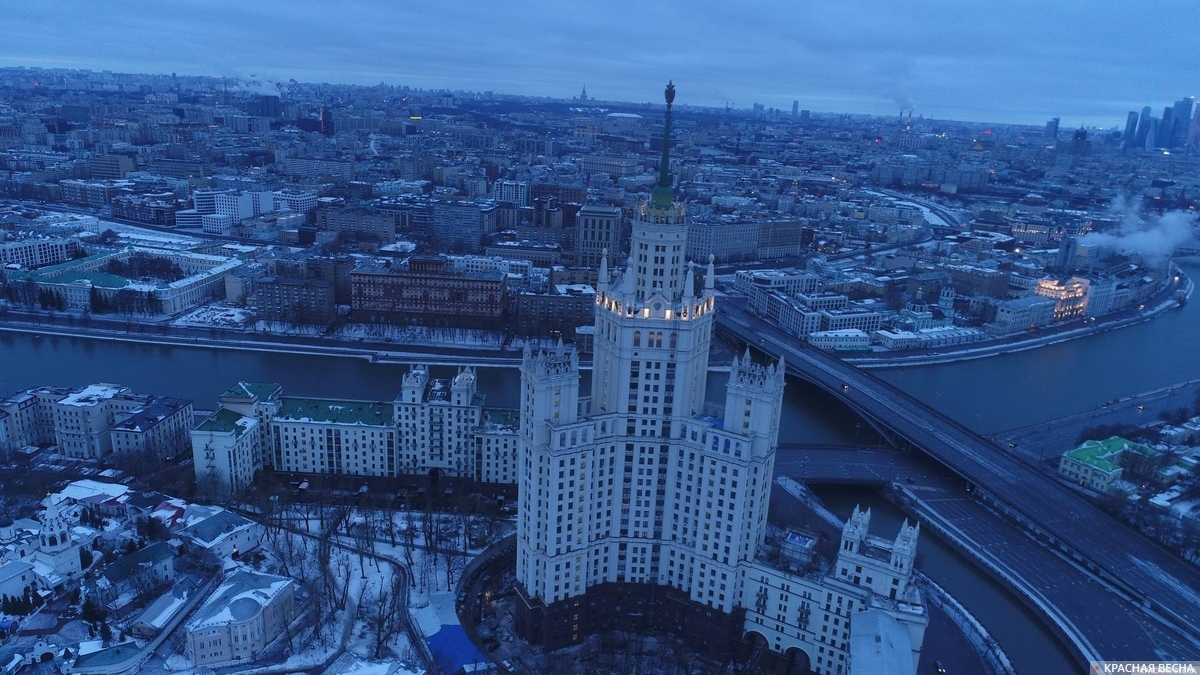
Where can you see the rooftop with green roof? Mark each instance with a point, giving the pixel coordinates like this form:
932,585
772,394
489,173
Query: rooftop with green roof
335,411
101,279
246,390
224,421
1105,455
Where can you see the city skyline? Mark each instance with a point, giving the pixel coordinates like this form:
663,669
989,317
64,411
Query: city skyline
826,57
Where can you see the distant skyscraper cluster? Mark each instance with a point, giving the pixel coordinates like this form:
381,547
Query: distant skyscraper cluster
1177,128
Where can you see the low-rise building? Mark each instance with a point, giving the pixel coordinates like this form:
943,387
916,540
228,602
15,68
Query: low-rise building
17,578
846,339
224,533
1099,464
135,575
245,614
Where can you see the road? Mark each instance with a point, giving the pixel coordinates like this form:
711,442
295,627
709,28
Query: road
1124,558
1045,441
1108,622
849,466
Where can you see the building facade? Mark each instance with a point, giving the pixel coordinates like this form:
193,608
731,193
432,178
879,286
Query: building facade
597,230
295,300
226,452
645,506
428,290
244,615
433,425
38,251
158,429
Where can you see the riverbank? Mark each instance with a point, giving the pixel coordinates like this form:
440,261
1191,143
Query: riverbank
373,352
448,354
1032,341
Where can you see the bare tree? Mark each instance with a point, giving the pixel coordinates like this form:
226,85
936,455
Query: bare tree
453,562
386,616
408,535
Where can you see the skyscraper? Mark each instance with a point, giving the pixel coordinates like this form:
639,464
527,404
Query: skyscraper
645,506
642,496
1128,138
1181,121
1143,128
1152,132
1052,128
1193,134
1165,126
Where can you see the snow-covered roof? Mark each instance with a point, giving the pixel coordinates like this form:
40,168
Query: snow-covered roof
92,394
242,595
87,489
879,644
213,530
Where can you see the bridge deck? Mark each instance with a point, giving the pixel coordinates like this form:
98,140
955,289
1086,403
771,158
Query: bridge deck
1124,557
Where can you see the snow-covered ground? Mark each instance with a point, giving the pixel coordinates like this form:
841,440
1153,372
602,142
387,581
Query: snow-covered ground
422,335
218,315
151,238
400,247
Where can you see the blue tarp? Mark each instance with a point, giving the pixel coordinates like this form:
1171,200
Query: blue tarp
452,649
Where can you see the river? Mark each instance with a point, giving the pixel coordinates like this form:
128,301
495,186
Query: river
988,395
1018,389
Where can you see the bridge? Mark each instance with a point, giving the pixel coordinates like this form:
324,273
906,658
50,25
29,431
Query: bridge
1143,572
848,465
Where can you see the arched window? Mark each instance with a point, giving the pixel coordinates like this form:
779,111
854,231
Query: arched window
637,338
674,340
53,540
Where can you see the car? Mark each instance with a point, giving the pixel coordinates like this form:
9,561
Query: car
939,667
508,665
909,480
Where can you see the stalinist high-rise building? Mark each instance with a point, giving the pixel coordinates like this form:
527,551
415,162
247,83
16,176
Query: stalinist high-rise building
644,506
643,500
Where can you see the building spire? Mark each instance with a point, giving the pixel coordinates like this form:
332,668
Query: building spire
663,196
602,278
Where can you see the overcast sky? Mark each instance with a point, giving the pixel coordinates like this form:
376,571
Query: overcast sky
999,61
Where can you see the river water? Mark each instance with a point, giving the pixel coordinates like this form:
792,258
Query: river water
987,395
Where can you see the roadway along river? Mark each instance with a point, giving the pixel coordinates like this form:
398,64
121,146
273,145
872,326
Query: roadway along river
988,395
1015,390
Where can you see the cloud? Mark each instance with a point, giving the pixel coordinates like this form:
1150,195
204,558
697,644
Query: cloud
897,75
1022,60
1152,238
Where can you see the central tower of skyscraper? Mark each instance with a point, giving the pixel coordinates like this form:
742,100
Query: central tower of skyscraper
639,504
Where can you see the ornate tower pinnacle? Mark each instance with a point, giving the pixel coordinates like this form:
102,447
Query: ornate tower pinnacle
663,196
